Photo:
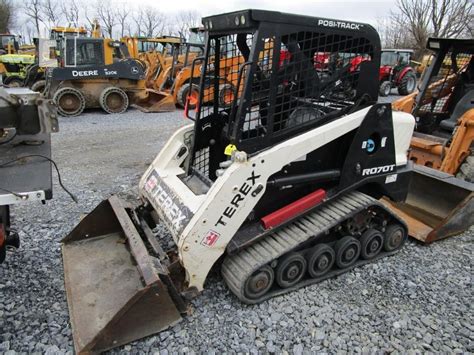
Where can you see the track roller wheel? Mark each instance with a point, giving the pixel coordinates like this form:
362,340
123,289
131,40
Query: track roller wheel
347,251
395,237
371,244
70,101
321,258
113,100
259,282
226,95
191,90
290,270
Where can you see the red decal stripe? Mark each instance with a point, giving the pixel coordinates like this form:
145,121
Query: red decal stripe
285,213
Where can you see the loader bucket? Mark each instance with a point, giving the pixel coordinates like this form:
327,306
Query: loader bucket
154,101
116,291
438,205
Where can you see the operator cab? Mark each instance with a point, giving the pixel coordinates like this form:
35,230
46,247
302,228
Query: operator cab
8,43
447,88
395,57
261,83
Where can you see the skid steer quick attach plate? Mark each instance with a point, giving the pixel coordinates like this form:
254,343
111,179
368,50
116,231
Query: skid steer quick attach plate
115,289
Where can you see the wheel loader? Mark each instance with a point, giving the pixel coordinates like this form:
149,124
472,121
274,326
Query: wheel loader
279,190
440,200
99,73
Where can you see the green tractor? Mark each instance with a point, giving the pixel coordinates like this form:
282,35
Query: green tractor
13,63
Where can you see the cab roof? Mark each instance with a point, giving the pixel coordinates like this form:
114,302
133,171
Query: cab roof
250,18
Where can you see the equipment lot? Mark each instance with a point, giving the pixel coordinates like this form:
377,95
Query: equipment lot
421,299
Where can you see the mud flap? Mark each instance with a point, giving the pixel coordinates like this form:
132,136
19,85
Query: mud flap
154,101
116,291
438,205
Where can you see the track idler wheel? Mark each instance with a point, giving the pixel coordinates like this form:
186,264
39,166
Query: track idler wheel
371,244
347,252
321,259
395,237
259,282
70,102
290,270
113,100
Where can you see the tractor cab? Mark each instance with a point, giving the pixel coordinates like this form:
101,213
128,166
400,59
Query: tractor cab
8,44
396,72
77,51
58,33
194,45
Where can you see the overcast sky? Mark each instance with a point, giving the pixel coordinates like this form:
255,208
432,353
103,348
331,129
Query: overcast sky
356,10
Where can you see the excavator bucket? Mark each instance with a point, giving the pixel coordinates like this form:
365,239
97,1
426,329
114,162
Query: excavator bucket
117,291
438,205
154,101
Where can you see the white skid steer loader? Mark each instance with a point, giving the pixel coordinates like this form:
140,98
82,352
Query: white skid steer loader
281,186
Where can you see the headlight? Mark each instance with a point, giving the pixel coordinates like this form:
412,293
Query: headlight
242,20
237,21
210,25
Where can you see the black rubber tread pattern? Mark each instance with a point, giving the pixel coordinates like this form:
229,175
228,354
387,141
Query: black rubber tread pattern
237,268
65,90
402,88
107,91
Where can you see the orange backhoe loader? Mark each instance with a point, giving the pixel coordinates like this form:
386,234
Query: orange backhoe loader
440,201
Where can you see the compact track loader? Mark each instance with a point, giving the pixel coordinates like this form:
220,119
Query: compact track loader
440,199
280,189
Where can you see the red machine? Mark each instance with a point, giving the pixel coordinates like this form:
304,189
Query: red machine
396,72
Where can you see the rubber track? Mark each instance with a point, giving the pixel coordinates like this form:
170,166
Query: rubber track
237,268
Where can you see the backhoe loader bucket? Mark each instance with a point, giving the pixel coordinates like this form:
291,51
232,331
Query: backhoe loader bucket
116,291
154,101
438,205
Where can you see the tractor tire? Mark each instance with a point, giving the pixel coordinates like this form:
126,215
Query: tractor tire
183,93
13,81
39,86
385,88
408,84
70,102
226,95
113,100
466,170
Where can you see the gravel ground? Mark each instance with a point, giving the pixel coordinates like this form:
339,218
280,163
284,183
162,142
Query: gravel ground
418,301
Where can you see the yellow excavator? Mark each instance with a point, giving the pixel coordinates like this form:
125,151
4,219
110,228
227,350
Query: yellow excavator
440,201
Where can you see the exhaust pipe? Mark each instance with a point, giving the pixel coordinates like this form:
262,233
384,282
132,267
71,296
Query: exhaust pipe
117,291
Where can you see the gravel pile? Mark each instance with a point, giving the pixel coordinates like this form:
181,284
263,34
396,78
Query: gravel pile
420,300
